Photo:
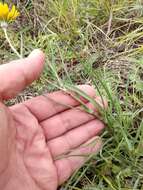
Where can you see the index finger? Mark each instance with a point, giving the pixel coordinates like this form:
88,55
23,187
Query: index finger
56,102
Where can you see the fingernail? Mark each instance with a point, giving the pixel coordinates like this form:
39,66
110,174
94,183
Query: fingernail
35,53
102,101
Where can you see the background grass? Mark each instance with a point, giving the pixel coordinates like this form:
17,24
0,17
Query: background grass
96,42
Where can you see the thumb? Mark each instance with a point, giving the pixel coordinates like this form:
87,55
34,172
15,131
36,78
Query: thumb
16,75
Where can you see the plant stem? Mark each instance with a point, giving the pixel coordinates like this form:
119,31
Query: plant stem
10,44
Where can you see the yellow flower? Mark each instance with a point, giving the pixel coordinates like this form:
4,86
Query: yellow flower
7,15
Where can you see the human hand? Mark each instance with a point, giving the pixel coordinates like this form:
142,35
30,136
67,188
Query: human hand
40,138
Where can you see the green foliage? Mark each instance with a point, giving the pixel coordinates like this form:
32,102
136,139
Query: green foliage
79,37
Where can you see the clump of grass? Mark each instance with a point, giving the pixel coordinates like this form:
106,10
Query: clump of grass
119,164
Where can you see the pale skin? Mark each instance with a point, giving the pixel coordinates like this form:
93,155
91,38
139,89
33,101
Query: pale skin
39,138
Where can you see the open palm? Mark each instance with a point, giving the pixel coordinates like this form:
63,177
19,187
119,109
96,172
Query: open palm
40,138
